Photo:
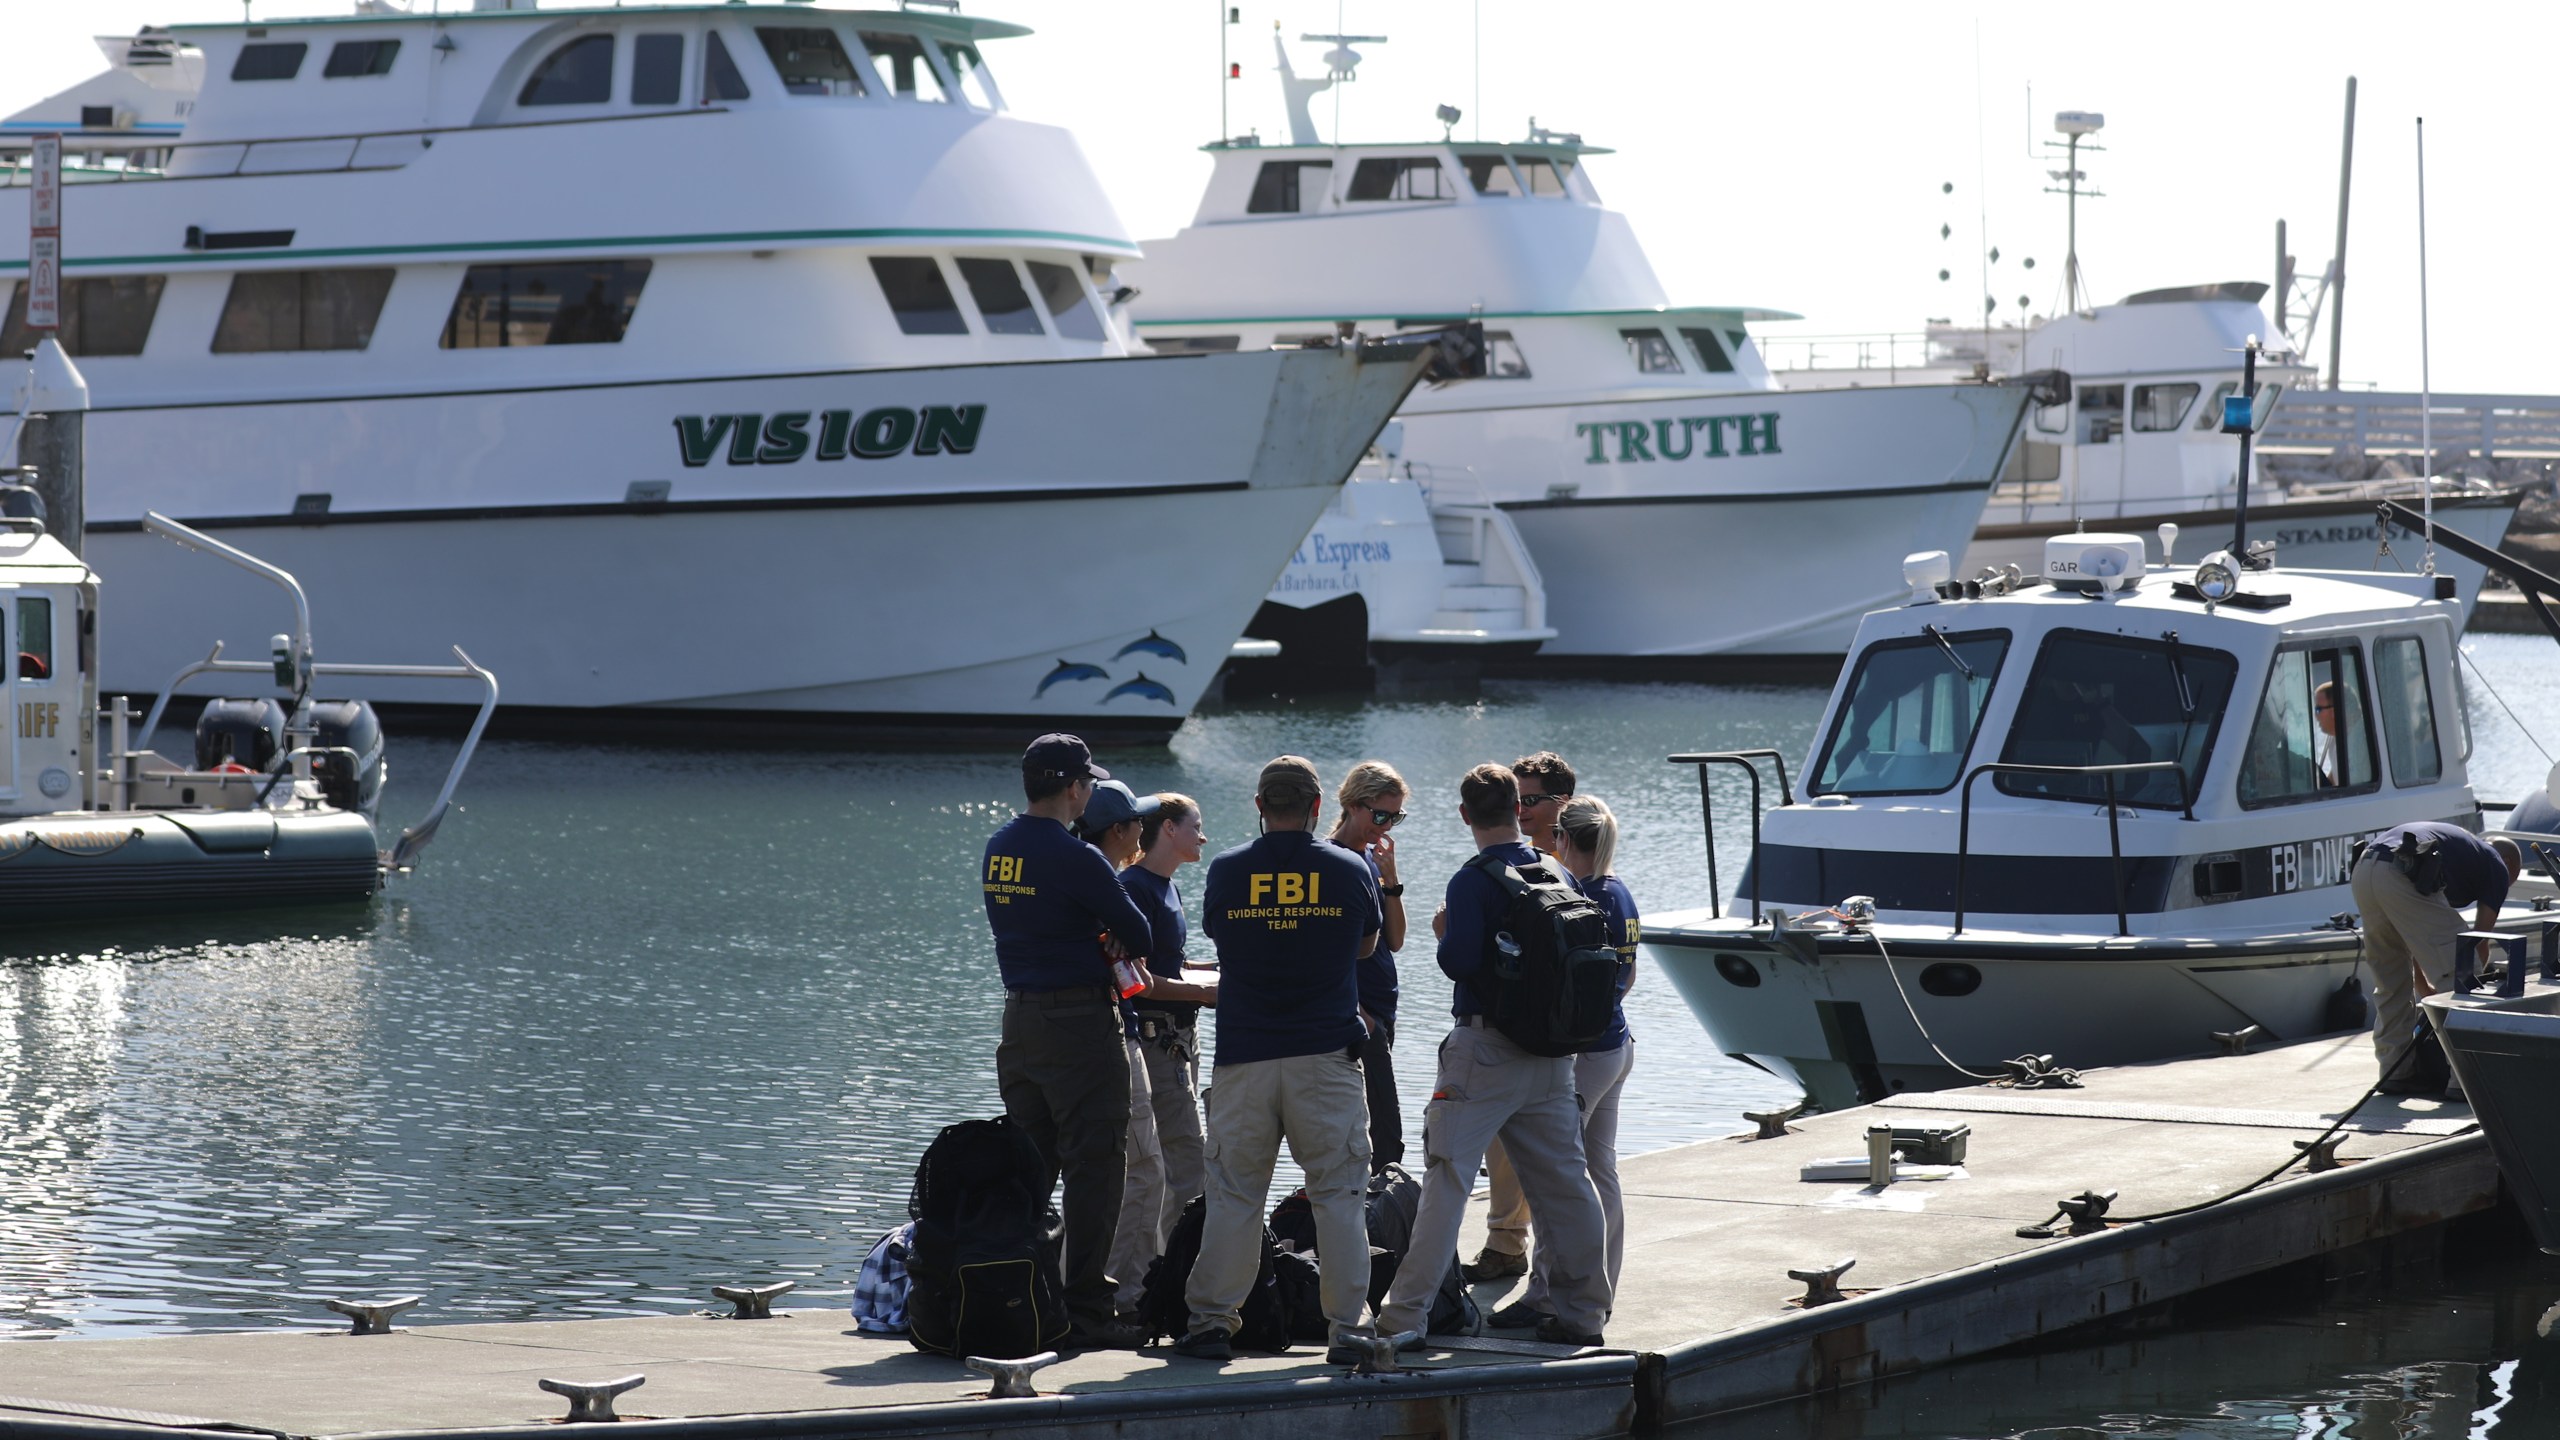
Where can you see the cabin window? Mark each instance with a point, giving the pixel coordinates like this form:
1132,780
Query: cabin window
2162,407
2312,741
2101,414
1542,177
1652,353
1503,360
2096,699
1193,344
1070,306
107,315
2212,416
1280,188
1002,302
270,310
1913,708
578,73
1711,356
902,63
349,59
576,302
279,61
2408,710
1490,174
1414,178
657,69
35,639
970,74
810,61
918,295
720,77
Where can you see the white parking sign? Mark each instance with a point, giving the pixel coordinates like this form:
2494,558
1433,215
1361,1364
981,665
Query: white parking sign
44,237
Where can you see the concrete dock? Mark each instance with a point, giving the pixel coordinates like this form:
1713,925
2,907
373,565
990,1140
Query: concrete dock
1707,1319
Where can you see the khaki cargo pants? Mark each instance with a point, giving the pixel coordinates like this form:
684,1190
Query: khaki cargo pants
1319,1104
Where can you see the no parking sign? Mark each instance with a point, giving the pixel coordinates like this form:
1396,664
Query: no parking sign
44,237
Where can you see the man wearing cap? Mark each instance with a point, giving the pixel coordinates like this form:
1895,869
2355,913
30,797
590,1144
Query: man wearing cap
1051,900
1487,1086
1292,916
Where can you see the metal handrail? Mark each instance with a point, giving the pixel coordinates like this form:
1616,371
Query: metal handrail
1746,761
2115,838
11,173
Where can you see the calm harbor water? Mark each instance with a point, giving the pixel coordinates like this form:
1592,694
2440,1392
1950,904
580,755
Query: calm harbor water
654,1019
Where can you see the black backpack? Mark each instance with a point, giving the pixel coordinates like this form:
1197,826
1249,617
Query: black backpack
1395,1198
1162,1310
1559,993
982,1275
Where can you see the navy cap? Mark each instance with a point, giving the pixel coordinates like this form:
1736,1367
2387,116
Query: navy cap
1113,803
1065,756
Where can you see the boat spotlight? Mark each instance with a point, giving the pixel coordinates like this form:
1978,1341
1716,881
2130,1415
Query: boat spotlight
2218,578
1924,572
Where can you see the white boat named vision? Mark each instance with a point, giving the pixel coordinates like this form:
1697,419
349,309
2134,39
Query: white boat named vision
1641,449
751,436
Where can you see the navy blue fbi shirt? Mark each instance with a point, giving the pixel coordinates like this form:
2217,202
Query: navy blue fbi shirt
1625,929
1289,913
1050,896
1161,902
1378,972
2472,871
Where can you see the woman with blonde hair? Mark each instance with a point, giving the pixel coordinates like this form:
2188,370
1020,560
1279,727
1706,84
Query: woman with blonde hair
1584,839
1372,799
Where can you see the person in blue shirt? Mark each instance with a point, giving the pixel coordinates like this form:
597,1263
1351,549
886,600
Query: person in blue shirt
1291,916
1487,1085
1585,841
1166,1018
2410,928
1372,799
1546,783
1055,905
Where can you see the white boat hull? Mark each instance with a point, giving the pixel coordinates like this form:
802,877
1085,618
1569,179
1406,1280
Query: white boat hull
1772,547
1838,1026
986,587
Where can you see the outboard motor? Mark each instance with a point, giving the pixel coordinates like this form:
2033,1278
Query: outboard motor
248,733
355,784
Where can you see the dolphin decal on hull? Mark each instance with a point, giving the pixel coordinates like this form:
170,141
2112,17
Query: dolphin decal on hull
1069,670
1141,687
1155,644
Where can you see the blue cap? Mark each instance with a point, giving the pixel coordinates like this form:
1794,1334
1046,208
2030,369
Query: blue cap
1063,757
1113,803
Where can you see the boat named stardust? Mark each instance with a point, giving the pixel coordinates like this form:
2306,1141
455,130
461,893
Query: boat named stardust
682,357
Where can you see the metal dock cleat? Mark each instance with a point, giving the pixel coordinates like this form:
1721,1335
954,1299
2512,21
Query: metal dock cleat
2236,1042
754,1302
592,1400
372,1317
1012,1377
2320,1155
1773,1123
1822,1283
2088,1210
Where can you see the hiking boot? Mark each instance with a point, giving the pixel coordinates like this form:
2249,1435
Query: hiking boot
1210,1344
1492,1264
1555,1332
1105,1335
1518,1315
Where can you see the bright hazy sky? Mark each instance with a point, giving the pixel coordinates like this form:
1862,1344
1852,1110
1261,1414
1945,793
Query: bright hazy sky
1792,155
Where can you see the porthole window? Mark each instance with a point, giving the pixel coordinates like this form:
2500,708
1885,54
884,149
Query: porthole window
1738,971
1949,979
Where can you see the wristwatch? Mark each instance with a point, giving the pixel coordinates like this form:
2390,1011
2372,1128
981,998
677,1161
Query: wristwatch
1391,891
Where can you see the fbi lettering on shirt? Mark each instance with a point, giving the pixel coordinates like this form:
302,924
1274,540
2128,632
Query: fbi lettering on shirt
1279,899
1004,879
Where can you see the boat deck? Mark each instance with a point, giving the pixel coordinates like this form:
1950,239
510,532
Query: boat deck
1708,1319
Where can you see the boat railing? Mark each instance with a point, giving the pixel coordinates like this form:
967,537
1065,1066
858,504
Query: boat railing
1746,761
301,154
2115,837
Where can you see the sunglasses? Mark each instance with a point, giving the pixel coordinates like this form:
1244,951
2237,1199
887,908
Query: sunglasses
1528,800
1386,819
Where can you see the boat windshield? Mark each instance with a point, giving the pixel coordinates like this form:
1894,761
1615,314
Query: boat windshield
2097,699
1914,705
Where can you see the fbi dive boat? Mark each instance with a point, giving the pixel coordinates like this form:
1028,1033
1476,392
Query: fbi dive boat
1635,454
820,426
277,805
2094,815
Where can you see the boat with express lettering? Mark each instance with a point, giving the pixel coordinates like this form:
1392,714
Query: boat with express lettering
1655,482
745,364
2099,814
278,804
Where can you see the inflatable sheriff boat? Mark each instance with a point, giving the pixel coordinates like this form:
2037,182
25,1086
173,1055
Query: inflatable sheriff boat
275,806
